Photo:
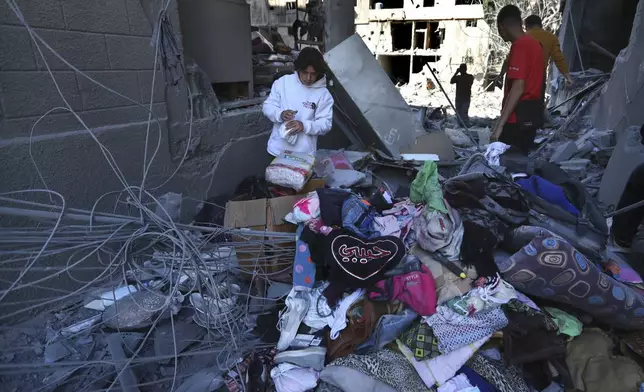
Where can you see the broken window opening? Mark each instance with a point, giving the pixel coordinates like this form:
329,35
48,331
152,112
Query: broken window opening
397,67
401,35
420,61
436,36
429,3
471,23
291,5
388,4
231,91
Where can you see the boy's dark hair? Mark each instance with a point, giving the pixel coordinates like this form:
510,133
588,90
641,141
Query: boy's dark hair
533,21
310,57
509,15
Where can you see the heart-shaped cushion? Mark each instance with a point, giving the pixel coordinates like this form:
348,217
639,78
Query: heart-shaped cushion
362,261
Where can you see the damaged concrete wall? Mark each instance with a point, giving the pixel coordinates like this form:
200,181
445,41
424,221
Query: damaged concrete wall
621,102
110,41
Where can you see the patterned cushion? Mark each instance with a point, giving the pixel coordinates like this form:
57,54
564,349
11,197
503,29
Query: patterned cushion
551,268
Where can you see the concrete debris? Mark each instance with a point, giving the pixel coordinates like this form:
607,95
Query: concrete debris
564,152
56,351
171,339
206,380
169,206
80,326
576,168
107,298
125,375
458,137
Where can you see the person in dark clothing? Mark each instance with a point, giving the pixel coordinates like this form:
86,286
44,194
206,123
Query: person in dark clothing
628,228
463,82
522,112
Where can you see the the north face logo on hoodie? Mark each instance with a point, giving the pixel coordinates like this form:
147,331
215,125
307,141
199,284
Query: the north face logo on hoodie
309,105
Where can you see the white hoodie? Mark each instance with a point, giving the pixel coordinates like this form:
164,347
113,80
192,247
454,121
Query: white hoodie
314,106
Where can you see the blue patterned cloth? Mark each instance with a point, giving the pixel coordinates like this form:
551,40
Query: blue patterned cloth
551,268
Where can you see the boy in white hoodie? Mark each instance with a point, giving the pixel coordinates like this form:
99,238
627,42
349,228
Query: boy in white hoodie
300,106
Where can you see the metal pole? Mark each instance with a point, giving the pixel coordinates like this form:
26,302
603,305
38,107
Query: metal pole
625,209
574,32
467,131
585,89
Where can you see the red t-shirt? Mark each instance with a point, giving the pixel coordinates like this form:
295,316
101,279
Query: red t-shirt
526,63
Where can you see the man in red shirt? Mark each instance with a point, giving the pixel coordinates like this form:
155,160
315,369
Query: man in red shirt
522,112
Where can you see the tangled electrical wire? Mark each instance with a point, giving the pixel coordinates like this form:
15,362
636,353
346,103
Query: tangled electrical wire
58,260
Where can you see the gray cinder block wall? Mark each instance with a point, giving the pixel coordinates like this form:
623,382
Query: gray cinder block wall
109,40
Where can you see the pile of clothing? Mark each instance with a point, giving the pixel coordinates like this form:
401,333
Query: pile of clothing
493,280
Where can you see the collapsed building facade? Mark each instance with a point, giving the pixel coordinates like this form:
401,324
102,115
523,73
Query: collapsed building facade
407,35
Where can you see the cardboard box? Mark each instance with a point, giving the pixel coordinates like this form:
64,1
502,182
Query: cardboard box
263,215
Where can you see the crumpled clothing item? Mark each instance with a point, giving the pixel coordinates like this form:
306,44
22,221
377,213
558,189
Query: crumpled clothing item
290,137
340,313
233,379
346,379
426,189
387,366
479,299
455,331
494,151
459,383
386,225
420,340
291,378
531,336
475,379
303,265
290,170
331,201
440,232
504,378
448,285
478,247
305,209
437,371
363,317
415,289
319,314
389,327
358,217
567,323
404,211
551,268
594,368
548,191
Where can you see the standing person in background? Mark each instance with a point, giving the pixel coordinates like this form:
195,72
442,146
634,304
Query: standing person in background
522,111
550,44
463,82
300,106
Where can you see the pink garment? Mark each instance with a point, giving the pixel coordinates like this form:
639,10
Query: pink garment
305,209
416,289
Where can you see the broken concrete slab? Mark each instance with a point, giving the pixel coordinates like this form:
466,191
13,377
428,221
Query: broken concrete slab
126,376
182,334
56,351
576,168
432,143
628,155
564,152
367,95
